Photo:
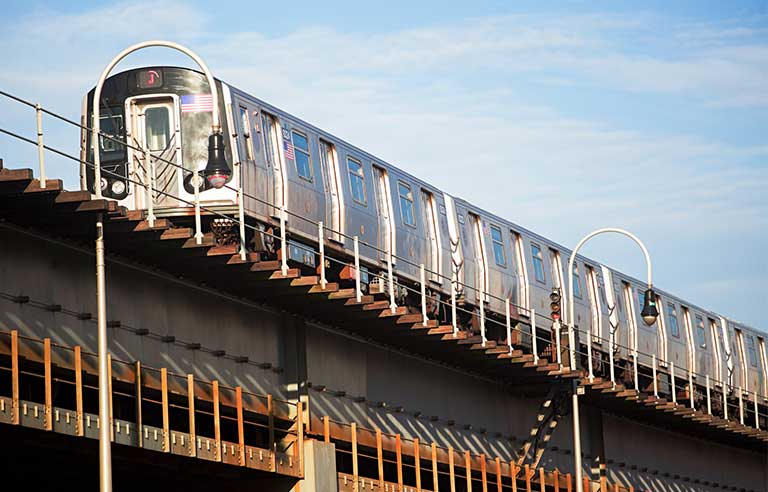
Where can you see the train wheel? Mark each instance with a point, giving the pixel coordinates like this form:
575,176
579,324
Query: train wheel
263,240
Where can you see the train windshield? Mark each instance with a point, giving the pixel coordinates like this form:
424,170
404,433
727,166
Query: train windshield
112,128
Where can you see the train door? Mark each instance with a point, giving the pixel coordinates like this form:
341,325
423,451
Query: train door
661,334
725,339
611,304
522,272
471,257
629,306
245,141
557,271
482,258
690,340
763,367
556,267
434,250
275,161
387,241
154,127
702,353
457,253
742,358
717,357
648,340
620,339
594,305
334,201
754,383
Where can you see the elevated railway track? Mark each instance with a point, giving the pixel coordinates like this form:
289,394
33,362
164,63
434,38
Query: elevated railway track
49,387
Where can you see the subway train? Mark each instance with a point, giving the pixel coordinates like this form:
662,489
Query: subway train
283,162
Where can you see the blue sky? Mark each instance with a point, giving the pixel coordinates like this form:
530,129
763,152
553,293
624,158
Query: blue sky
561,117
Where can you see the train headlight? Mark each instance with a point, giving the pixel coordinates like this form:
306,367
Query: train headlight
118,187
650,312
103,184
217,171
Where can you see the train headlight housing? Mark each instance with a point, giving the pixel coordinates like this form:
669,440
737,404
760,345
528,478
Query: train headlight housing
118,188
192,179
217,171
650,312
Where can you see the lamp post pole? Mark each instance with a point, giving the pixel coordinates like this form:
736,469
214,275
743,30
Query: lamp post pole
216,145
649,314
105,425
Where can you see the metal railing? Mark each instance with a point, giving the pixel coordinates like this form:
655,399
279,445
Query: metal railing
507,326
393,462
150,407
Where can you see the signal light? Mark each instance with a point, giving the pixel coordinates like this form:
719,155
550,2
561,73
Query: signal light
554,305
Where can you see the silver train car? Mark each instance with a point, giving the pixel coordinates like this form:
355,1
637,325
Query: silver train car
283,161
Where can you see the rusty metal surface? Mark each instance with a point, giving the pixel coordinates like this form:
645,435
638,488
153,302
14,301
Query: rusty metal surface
68,376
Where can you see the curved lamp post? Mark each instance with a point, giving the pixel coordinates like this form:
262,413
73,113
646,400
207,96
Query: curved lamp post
649,314
216,173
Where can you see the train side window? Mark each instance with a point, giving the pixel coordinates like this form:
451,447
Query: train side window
752,350
674,328
406,204
576,281
357,181
246,133
701,332
303,162
498,246
538,262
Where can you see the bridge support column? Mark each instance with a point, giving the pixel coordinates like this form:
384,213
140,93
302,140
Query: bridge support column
595,449
320,474
294,360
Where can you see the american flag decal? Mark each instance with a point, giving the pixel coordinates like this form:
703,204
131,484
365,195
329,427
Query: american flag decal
196,103
288,147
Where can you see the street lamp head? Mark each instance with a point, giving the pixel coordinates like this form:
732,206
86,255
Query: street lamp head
650,312
217,171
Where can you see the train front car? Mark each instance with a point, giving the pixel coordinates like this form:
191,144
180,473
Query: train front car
164,115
